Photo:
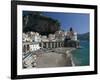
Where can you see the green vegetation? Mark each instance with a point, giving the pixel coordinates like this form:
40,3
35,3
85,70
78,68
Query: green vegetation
35,21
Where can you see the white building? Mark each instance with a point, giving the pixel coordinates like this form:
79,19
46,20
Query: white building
29,47
75,36
35,37
44,38
60,35
35,46
51,36
25,38
31,41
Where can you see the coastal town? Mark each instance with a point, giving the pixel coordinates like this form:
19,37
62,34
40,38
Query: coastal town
53,50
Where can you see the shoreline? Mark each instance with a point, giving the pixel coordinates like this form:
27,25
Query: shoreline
69,53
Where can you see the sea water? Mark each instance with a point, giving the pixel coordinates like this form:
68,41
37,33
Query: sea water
81,56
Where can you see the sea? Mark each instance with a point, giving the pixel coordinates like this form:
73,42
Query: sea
81,56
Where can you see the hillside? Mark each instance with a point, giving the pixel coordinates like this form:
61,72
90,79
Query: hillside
35,21
84,36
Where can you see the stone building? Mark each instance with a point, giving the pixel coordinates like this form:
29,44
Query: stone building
34,41
51,37
71,39
30,46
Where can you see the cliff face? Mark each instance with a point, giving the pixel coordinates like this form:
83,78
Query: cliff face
39,23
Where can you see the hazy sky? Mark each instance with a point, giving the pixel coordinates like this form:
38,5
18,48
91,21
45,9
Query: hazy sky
78,21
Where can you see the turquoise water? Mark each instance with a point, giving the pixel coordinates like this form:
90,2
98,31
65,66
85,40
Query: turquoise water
81,56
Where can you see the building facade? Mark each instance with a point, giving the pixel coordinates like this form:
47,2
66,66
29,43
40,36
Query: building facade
33,41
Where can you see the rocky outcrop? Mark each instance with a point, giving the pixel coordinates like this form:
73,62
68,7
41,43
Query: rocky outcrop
34,21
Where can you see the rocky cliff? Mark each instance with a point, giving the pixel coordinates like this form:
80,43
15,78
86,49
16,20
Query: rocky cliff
35,21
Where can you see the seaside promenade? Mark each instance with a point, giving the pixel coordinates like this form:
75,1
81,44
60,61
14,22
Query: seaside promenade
58,57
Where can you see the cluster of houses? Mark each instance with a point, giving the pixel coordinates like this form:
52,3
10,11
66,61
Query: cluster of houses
33,41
